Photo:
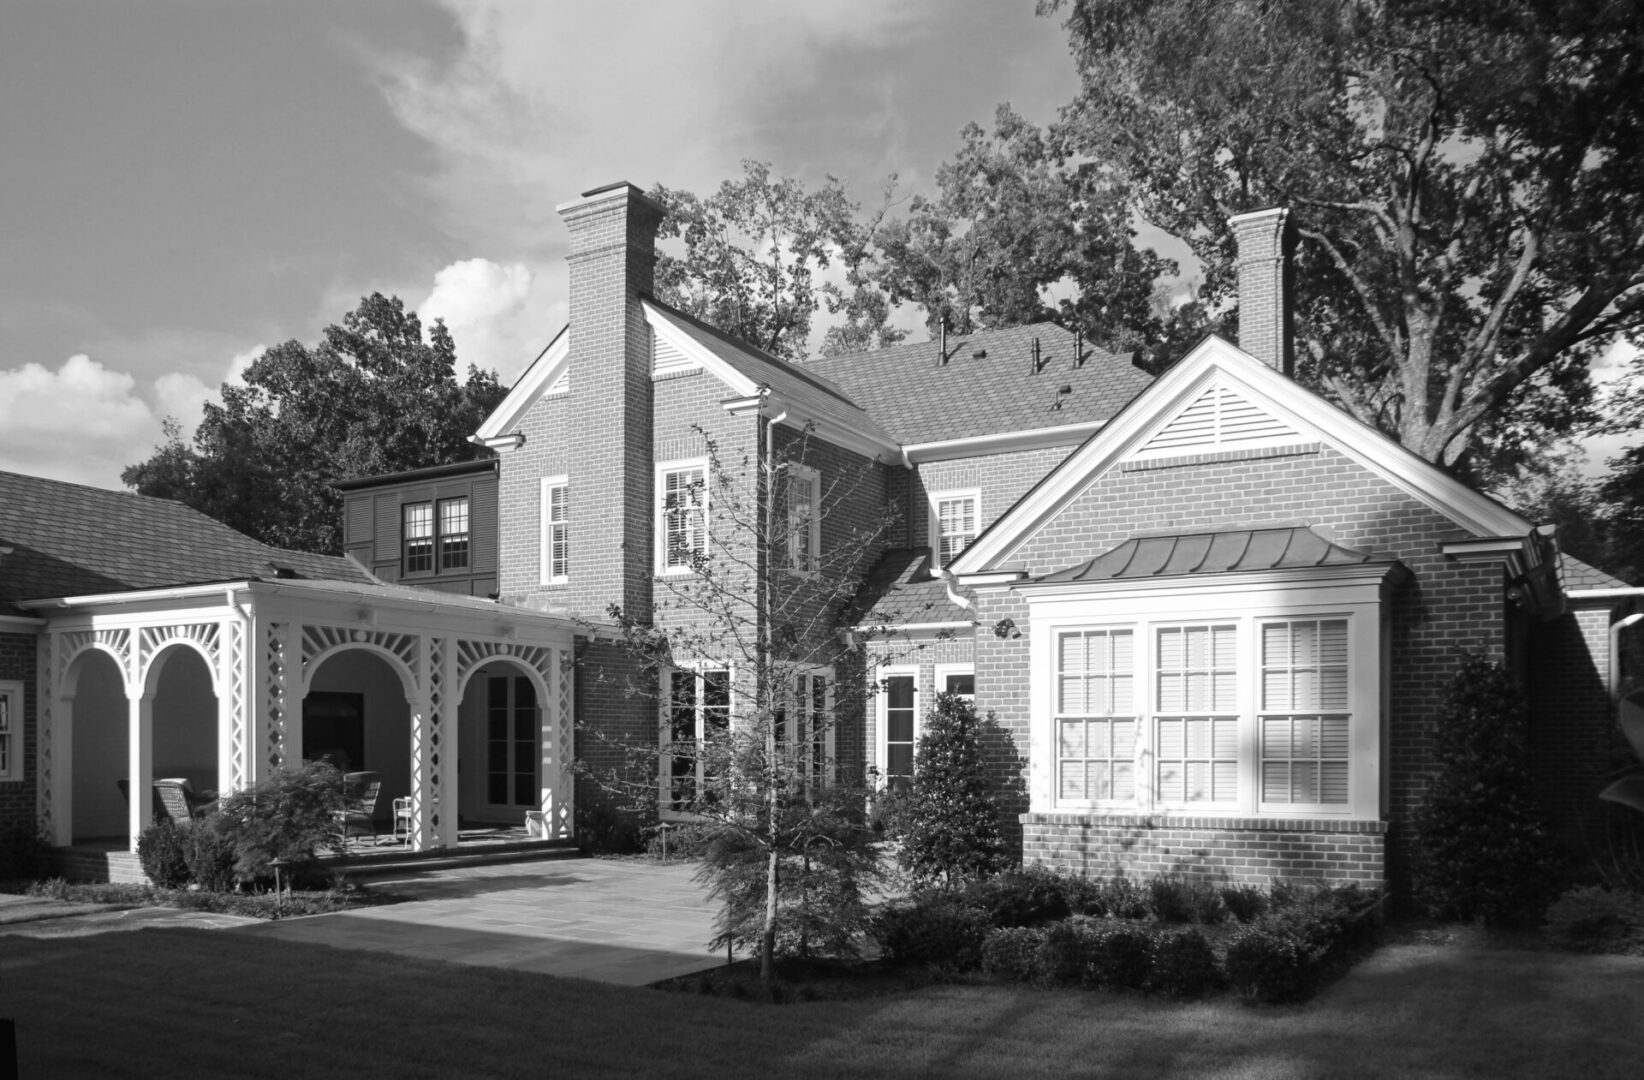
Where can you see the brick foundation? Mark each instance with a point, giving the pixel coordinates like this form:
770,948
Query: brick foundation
1253,851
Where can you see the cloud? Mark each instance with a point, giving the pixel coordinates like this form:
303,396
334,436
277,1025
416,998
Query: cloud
78,423
499,316
182,396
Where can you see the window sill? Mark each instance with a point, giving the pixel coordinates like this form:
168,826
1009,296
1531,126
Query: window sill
1178,820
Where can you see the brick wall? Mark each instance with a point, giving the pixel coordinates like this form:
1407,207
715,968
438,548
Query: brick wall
18,663
1256,852
1575,739
1443,606
1002,479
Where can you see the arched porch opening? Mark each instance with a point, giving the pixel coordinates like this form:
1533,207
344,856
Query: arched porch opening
186,721
95,737
356,715
500,735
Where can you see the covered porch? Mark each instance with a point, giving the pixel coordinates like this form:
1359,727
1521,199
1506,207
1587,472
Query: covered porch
463,708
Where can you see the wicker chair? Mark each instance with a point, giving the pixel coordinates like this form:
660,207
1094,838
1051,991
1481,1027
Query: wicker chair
176,795
358,815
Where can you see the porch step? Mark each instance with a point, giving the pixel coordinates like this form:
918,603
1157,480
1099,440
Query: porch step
91,864
393,863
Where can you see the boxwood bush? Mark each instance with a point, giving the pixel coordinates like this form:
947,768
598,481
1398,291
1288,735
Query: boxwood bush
1184,964
933,929
1011,953
162,853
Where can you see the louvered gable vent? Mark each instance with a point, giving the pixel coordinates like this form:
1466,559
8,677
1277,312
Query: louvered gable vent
668,360
562,385
1218,420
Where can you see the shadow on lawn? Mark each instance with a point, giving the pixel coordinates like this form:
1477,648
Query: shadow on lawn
457,888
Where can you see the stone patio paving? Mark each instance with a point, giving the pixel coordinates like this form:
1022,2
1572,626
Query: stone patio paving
629,922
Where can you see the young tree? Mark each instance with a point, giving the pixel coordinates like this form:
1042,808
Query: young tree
951,820
374,396
752,678
1464,175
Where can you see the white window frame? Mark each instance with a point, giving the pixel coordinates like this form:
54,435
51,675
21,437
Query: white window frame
1248,602
665,761
935,515
11,736
803,560
881,725
663,469
1053,742
829,718
547,575
943,671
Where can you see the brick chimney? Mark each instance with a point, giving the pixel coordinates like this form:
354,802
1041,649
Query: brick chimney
1266,239
612,263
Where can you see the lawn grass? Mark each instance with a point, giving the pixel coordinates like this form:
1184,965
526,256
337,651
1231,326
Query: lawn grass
217,1003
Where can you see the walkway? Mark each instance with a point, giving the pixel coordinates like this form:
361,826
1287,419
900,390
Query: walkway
630,922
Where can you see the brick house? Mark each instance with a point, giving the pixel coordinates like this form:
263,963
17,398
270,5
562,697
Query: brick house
1209,613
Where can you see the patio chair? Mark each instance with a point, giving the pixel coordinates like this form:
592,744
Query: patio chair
358,815
179,800
402,819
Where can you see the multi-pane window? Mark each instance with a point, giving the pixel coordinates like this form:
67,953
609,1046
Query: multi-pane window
804,730
1196,719
898,713
453,536
956,524
1096,716
684,525
699,715
1305,717
960,683
511,742
804,524
556,530
11,731
418,536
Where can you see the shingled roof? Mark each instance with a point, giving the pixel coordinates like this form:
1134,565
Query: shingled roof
900,589
1227,552
986,386
71,540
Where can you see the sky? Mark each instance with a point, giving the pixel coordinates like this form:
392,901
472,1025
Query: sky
183,184
187,183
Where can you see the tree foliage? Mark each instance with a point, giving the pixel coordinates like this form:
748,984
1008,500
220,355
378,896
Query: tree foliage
373,396
951,820
1012,219
1464,174
754,255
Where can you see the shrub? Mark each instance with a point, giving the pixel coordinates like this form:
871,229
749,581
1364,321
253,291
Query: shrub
1269,965
689,841
1246,903
950,824
1482,848
1597,919
162,853
1066,953
1185,900
1012,953
1184,965
932,929
24,853
601,830
1121,956
1028,897
1120,898
290,814
210,855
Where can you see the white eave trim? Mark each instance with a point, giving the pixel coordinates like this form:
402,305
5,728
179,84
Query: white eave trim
912,627
138,596
544,371
1304,410
797,416
1360,574
1484,548
501,443
698,353
21,623
1604,596
1002,442
998,577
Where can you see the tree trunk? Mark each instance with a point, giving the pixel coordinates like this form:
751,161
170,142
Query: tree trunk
767,940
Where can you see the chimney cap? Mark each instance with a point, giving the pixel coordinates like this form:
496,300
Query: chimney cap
610,192
1256,215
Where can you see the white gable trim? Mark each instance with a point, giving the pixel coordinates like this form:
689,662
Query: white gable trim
1215,360
695,352
546,375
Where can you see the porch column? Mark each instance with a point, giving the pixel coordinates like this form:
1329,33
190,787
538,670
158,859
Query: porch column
444,740
558,776
227,717
140,763
61,795
424,799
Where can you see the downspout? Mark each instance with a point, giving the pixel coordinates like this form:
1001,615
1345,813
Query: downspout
949,581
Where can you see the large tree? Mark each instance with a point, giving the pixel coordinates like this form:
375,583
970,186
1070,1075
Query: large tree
1465,175
374,396
755,255
1012,222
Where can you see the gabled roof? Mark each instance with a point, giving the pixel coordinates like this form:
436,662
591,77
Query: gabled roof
1227,552
70,540
545,372
986,386
1304,415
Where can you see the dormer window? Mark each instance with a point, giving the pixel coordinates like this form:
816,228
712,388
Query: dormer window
435,535
955,522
